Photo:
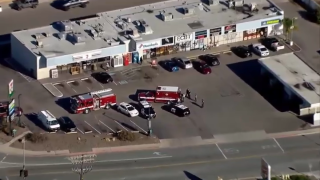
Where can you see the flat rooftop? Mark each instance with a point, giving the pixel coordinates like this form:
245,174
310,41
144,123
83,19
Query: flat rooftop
202,17
293,72
142,23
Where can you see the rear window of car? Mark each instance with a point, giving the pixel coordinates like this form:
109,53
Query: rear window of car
263,49
187,62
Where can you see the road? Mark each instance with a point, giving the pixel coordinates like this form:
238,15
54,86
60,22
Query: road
229,161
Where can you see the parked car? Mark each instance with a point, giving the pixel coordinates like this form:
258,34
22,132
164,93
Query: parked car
242,51
102,77
183,62
204,68
67,4
210,59
177,108
147,110
128,109
67,125
260,50
273,44
23,4
170,65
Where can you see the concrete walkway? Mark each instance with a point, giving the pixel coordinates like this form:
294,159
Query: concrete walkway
52,89
166,143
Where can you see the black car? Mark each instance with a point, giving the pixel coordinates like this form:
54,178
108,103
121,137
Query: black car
210,59
242,51
177,108
170,65
268,42
23,4
67,4
102,77
147,110
67,125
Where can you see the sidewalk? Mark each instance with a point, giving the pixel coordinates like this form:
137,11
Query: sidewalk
196,141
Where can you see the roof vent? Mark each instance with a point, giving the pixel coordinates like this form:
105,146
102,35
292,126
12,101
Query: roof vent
308,86
166,16
200,6
213,2
47,34
39,43
147,29
65,25
238,3
37,36
62,36
253,6
78,38
188,11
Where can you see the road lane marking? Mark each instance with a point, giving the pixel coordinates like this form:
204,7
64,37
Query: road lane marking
139,127
278,144
98,83
88,88
14,68
221,151
7,178
231,151
120,125
269,146
107,126
92,127
4,158
80,131
71,86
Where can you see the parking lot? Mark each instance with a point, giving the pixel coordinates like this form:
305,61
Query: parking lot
232,104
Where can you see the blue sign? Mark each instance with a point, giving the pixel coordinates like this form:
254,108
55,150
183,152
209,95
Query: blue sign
11,107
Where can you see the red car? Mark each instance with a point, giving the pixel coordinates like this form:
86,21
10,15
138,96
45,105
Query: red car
205,68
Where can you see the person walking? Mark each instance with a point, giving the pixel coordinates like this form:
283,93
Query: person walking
182,97
202,103
195,98
188,93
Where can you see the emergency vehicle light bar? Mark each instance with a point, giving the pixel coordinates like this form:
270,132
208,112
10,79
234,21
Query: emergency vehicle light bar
101,91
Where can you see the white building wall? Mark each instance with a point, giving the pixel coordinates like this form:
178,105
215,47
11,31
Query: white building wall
23,56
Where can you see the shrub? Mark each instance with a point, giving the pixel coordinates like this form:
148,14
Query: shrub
276,178
126,136
36,137
299,177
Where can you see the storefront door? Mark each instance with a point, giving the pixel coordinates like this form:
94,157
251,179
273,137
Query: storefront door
117,61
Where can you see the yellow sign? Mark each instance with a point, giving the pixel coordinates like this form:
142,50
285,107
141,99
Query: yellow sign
275,21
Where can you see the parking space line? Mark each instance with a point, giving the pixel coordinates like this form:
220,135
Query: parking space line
120,125
221,152
115,83
107,126
80,131
139,127
92,127
278,144
68,82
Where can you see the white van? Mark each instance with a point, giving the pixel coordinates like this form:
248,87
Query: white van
48,120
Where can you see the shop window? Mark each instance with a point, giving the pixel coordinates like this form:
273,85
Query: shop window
166,41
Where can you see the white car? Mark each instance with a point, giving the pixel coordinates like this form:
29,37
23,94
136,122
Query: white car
185,63
260,49
128,109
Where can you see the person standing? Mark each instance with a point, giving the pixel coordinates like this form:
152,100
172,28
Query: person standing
202,103
182,97
195,98
188,93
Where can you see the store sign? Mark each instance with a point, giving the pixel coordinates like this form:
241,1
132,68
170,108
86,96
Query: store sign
201,34
167,41
265,23
183,38
149,45
230,28
215,31
87,56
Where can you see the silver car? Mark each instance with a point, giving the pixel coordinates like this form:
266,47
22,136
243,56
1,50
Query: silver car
184,62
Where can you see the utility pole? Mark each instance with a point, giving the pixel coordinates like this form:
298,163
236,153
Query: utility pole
82,164
23,171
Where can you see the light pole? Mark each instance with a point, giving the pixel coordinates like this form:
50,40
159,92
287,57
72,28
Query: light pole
292,27
24,172
82,164
20,109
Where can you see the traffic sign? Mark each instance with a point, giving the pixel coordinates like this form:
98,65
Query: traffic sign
10,88
11,107
265,170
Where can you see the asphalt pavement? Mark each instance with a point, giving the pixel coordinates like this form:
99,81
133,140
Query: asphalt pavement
230,161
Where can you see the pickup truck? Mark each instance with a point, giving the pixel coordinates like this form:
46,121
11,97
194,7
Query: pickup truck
23,4
273,44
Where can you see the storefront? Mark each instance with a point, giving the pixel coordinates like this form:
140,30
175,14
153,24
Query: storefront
200,39
255,33
231,35
155,48
183,41
215,37
273,27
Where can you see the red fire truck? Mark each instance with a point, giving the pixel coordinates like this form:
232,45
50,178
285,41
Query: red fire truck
162,94
92,101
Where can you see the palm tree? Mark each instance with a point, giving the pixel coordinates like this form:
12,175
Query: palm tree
289,25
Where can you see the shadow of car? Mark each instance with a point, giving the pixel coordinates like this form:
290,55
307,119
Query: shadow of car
102,77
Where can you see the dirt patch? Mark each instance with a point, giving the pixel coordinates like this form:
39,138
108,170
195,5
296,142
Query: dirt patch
81,143
5,135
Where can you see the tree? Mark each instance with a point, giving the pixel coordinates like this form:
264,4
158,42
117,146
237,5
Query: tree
318,16
289,25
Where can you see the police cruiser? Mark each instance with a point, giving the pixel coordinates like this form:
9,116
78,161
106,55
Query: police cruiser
147,110
177,108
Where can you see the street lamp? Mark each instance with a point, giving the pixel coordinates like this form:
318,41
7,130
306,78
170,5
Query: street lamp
292,27
82,164
24,172
20,109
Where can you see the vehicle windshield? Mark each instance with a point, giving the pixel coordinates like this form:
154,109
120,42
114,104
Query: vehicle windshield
149,110
244,48
263,49
130,108
205,65
53,122
3,109
187,62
